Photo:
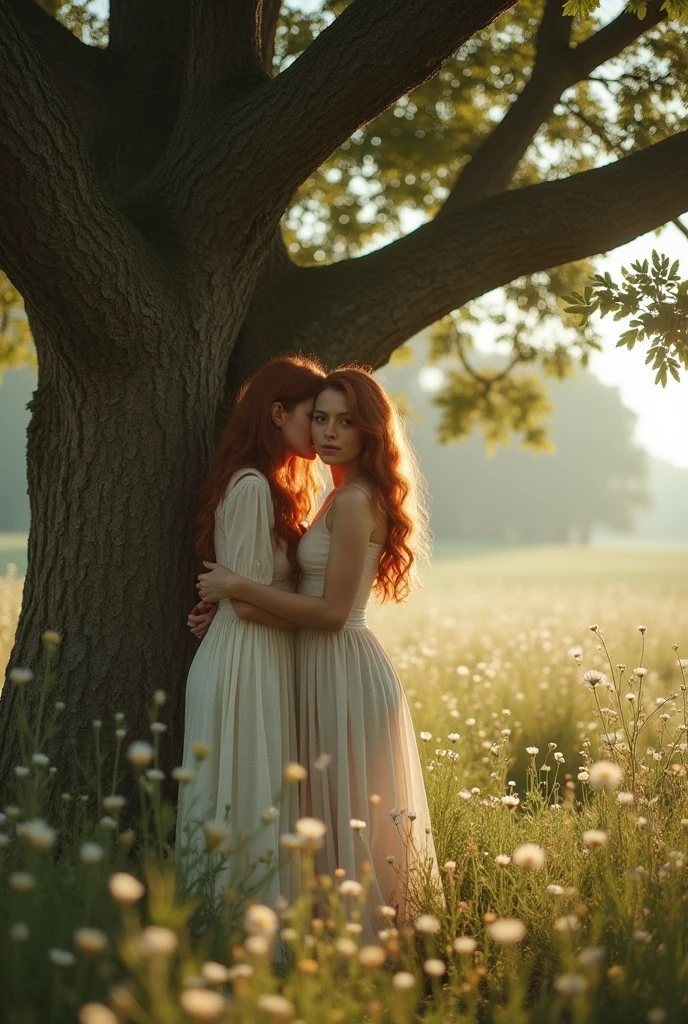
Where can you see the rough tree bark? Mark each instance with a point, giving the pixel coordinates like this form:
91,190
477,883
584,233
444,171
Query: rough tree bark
142,192
136,239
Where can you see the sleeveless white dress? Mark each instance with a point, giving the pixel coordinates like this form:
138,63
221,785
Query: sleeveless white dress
240,701
351,706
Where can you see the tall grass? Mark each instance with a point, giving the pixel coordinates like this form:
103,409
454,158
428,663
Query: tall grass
560,817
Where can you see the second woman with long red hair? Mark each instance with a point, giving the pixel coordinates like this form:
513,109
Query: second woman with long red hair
356,735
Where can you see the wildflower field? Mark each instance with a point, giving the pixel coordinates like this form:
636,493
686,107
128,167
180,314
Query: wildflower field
548,688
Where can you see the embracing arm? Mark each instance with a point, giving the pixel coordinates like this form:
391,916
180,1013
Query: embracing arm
251,613
352,525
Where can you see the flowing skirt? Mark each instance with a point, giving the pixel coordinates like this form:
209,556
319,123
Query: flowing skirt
357,740
240,702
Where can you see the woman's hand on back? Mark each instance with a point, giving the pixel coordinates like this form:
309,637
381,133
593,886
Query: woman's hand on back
200,617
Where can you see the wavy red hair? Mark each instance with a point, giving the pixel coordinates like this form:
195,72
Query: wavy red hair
389,464
251,439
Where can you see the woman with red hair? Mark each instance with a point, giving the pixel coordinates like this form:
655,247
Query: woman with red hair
355,731
240,689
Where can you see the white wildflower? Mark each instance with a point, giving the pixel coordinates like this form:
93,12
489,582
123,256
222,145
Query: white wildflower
529,856
91,853
570,984
593,678
202,1004
140,754
61,957
427,924
507,931
594,838
261,920
605,775
125,888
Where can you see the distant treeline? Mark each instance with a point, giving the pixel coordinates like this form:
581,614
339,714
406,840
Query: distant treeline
598,482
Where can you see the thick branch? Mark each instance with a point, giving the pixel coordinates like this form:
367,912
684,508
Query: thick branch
60,238
80,72
372,54
557,68
225,44
614,38
378,301
271,13
279,131
147,28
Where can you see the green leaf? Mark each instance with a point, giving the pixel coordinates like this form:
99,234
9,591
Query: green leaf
637,7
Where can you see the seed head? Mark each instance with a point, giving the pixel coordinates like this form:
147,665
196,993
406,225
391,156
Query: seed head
594,838
140,754
90,940
464,945
276,1006
372,956
97,1013
529,856
203,1004
21,676
124,888
427,924
261,920
295,772
507,931
605,775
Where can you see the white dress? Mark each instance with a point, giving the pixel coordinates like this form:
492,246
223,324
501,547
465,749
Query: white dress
352,708
240,701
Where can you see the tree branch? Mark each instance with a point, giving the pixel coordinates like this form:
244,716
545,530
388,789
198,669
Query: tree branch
271,13
614,38
557,67
487,382
370,55
61,239
612,147
80,72
677,222
148,29
378,301
225,44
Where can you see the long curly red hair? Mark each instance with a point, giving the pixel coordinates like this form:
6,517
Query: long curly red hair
251,439
389,464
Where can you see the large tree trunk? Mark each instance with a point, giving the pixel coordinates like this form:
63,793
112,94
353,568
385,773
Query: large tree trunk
115,464
141,195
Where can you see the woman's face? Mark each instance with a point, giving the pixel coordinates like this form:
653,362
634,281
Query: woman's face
336,439
295,425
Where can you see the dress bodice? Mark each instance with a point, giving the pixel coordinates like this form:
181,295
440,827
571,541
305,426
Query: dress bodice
245,538
313,554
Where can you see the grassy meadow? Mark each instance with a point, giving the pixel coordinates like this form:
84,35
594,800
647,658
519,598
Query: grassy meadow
557,783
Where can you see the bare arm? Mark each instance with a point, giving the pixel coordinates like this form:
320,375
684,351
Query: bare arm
352,526
251,613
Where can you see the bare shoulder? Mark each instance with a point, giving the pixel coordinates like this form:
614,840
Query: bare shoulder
353,507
